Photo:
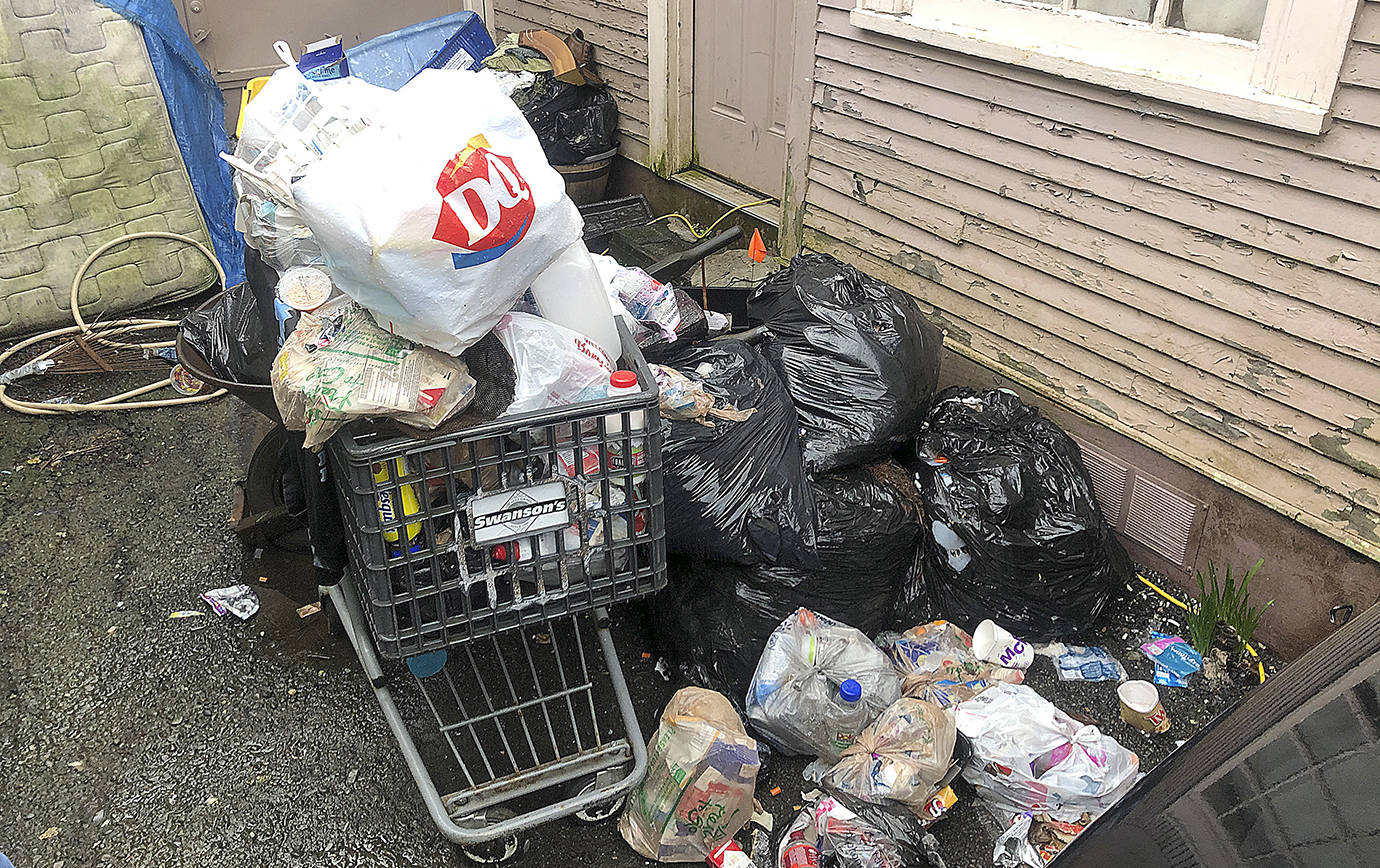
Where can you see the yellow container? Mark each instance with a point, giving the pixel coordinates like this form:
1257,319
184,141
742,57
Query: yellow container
251,89
407,493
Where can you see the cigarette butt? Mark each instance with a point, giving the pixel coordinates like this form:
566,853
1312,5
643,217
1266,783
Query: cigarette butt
263,579
776,791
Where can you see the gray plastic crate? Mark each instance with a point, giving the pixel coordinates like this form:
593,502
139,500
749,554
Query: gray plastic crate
514,522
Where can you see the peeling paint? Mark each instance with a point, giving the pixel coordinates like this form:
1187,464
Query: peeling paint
915,263
1363,495
1361,425
1358,521
1334,447
1221,427
1029,370
1099,406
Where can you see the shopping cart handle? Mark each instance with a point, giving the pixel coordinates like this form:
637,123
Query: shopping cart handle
675,266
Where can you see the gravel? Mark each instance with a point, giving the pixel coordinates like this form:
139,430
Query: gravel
134,739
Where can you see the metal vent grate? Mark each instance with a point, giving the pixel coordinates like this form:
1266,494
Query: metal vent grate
1109,478
1160,519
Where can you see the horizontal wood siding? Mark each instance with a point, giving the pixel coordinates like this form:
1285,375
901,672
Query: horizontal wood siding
1207,285
618,31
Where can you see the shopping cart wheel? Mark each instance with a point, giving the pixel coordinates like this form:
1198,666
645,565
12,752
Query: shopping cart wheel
600,812
494,852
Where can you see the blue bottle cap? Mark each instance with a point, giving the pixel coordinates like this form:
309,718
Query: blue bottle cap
850,691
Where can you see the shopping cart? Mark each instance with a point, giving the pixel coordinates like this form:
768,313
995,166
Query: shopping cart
482,568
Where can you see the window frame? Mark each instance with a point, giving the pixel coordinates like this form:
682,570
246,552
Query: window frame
1286,79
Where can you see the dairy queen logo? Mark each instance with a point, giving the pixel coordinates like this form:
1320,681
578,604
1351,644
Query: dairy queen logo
486,206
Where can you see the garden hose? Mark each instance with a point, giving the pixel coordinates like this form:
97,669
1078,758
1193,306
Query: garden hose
705,234
1260,666
102,334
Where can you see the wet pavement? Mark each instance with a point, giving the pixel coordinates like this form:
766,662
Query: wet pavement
131,738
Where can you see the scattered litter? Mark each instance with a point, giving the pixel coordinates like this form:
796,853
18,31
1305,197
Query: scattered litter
263,579
1088,663
1175,660
1051,836
308,610
351,777
239,600
111,631
1140,707
775,791
545,639
28,369
186,613
50,832
686,399
79,765
1013,848
211,800
729,855
646,655
993,644
663,669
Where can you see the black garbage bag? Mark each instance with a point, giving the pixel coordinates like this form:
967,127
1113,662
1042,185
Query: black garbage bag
572,122
737,491
714,619
232,336
1014,530
859,358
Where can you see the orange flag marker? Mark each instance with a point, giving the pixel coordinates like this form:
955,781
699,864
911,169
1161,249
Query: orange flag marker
756,249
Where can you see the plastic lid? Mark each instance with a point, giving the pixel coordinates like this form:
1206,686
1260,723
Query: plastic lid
623,379
850,691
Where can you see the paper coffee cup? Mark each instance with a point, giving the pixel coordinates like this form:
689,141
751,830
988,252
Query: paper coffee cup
1140,706
994,645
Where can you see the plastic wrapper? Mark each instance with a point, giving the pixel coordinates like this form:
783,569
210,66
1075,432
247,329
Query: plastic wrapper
1030,756
237,600
737,492
572,122
1015,531
441,212
232,337
902,755
701,771
1013,849
1088,663
855,834
936,663
858,357
337,365
1174,659
555,366
717,617
806,659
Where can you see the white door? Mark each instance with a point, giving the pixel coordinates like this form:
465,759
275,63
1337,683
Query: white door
742,76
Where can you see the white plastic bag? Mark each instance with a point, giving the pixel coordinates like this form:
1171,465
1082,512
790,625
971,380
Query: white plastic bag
899,756
555,366
801,668
439,214
1030,756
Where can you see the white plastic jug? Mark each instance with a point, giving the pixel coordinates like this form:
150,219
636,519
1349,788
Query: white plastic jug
571,293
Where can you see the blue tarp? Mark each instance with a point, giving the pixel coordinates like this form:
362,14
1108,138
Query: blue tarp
198,121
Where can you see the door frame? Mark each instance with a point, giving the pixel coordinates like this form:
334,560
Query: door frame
671,101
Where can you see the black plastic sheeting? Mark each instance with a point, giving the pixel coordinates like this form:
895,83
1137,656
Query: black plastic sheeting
572,122
859,358
714,619
232,337
737,491
1015,533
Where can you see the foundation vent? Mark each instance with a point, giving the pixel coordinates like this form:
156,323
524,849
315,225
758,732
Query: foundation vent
1144,508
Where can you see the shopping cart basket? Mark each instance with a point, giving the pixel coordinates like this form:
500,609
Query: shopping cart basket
487,561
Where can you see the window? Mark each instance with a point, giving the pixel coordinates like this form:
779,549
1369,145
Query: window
1272,61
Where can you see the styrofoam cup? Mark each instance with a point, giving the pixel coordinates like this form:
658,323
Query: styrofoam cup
994,645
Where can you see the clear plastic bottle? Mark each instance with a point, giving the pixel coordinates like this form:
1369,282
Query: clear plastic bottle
845,717
571,293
